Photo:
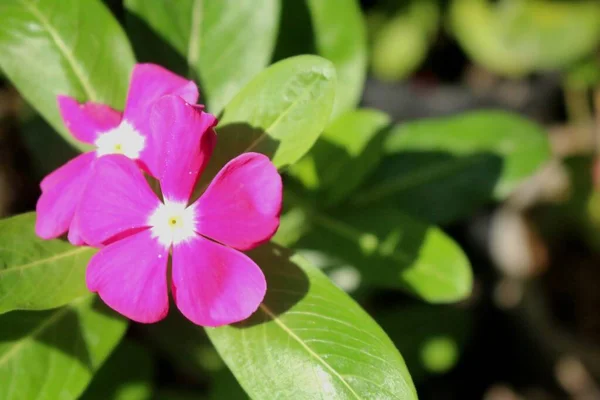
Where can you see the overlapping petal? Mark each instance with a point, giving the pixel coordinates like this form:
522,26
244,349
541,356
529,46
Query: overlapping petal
184,140
117,201
241,206
86,121
149,82
130,276
215,285
61,193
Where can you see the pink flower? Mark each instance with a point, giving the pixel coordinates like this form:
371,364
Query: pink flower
212,282
111,133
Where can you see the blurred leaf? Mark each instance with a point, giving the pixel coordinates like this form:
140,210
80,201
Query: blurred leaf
340,37
38,274
69,47
309,340
126,375
389,249
442,169
226,43
280,113
399,48
347,151
516,37
431,338
54,354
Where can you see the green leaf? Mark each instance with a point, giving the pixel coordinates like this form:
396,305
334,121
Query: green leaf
38,274
309,340
53,354
442,169
340,36
225,43
386,248
280,113
347,151
516,37
68,47
126,375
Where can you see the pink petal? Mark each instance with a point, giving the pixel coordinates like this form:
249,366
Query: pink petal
61,193
215,285
149,82
85,121
184,141
241,206
74,236
131,277
117,200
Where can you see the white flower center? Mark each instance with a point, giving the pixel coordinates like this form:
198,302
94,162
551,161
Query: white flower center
123,139
172,223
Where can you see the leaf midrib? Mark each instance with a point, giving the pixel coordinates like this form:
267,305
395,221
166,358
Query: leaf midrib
62,47
39,330
55,257
291,333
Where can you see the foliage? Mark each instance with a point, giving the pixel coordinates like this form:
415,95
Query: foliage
362,195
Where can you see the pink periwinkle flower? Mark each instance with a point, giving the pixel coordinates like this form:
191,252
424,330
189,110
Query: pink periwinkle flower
212,282
111,132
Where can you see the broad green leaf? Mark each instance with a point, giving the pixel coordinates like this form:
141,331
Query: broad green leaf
38,274
431,338
442,169
69,47
516,37
225,43
52,355
347,151
309,340
387,248
126,375
340,36
280,113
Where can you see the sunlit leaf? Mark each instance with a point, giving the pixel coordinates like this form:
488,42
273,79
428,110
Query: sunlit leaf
281,112
385,248
70,47
53,354
340,36
309,340
38,274
225,43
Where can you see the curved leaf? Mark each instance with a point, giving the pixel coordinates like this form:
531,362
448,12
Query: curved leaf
54,354
347,151
69,47
441,169
38,274
340,36
386,248
310,340
225,43
519,37
280,113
